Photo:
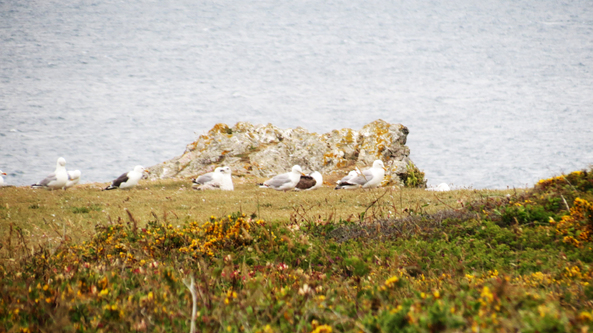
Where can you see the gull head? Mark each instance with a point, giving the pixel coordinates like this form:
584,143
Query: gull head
378,164
75,174
297,169
61,161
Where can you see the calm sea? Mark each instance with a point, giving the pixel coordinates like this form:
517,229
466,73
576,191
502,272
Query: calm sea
495,93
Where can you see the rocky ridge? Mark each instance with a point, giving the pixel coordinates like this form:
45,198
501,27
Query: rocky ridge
266,150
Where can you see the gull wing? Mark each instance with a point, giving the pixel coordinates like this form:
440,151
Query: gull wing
206,178
278,180
121,179
48,179
366,177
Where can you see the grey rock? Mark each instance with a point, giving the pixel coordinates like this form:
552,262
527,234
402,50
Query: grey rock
266,150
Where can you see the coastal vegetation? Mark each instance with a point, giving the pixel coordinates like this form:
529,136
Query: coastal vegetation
254,260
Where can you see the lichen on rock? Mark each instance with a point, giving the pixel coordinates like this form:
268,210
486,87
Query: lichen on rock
266,150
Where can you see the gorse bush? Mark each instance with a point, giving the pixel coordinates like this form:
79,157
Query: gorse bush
413,177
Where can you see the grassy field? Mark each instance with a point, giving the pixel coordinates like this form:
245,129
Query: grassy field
390,259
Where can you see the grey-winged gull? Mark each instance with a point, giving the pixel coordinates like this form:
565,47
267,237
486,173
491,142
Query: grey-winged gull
219,179
55,180
286,181
350,174
369,178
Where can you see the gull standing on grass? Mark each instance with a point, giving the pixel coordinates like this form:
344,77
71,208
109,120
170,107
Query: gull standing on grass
369,178
128,179
55,180
219,179
312,181
286,181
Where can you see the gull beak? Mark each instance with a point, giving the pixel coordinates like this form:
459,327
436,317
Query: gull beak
302,174
384,168
148,172
4,173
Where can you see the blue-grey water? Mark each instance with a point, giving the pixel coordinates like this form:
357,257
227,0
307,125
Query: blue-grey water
495,93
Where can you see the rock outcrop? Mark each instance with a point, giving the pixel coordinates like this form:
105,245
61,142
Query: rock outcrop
266,150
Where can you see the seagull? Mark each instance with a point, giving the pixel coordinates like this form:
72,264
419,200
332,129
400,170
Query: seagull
286,181
219,179
73,178
350,174
57,179
2,173
442,187
369,178
128,179
311,182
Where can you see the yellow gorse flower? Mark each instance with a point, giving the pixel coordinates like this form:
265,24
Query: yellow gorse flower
391,281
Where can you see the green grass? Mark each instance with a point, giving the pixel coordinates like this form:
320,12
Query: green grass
383,260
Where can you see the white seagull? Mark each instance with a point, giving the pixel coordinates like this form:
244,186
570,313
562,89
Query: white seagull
369,178
128,179
350,174
219,179
57,179
442,187
286,181
73,178
312,181
2,173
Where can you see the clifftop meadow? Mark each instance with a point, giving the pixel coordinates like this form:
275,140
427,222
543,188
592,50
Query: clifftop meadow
162,257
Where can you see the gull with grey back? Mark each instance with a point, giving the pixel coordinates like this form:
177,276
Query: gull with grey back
286,181
219,179
55,180
369,178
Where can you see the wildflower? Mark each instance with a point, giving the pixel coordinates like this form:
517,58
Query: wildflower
396,310
391,281
322,329
436,294
585,316
305,290
486,296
